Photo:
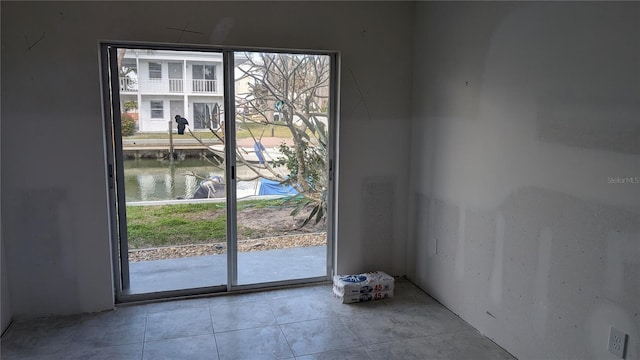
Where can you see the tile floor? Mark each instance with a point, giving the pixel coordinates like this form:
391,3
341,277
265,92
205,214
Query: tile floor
299,323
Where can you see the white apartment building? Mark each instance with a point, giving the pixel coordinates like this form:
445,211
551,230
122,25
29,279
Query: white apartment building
163,84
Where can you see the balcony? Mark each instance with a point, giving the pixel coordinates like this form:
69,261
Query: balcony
176,85
128,85
169,86
203,86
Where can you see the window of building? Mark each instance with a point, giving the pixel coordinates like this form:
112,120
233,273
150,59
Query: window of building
204,78
155,70
157,109
205,115
175,77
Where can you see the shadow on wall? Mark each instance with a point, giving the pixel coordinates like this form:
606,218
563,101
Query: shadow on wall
377,224
538,261
590,123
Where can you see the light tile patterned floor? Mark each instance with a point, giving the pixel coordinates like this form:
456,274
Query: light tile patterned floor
299,323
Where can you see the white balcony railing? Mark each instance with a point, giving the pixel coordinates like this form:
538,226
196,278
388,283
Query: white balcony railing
159,86
176,85
154,86
128,85
203,86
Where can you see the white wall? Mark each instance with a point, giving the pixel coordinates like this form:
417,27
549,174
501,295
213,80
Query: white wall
54,201
522,113
147,124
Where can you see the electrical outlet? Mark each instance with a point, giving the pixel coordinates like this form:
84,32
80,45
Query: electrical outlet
617,342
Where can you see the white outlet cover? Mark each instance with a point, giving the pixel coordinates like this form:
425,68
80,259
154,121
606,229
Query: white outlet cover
617,342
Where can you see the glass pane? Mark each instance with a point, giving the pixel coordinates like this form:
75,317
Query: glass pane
175,202
282,135
202,115
157,109
209,73
175,77
197,72
155,70
175,70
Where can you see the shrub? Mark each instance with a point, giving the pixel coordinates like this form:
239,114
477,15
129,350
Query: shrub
130,105
128,125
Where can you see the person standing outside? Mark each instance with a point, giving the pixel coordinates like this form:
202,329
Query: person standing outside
182,123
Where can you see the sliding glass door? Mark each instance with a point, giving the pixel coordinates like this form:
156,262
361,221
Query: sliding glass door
282,134
217,184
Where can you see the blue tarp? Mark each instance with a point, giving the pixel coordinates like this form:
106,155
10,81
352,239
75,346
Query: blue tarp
269,187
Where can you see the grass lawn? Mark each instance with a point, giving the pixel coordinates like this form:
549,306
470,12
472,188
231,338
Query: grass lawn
184,224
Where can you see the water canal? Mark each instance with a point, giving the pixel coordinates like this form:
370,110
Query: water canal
154,180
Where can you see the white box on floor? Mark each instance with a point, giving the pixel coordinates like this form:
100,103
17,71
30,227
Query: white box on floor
363,287
354,298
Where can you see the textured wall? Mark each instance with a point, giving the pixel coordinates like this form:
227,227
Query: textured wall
55,226
525,179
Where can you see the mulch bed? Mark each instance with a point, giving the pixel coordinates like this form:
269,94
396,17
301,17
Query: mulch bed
267,243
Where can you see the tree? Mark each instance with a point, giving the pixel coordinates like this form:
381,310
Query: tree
130,105
125,69
128,125
296,87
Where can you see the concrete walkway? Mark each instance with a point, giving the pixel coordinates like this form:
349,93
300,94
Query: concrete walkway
204,271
